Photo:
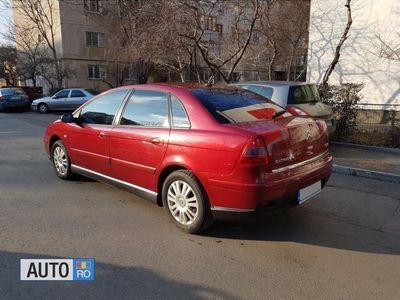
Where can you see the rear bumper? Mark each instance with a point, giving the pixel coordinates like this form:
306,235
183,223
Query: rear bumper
6,105
260,212
247,199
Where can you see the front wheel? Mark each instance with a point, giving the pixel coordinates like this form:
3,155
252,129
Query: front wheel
186,202
60,159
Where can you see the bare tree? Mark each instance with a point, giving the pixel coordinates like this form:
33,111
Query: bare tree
222,55
389,49
339,46
31,57
40,16
294,33
8,55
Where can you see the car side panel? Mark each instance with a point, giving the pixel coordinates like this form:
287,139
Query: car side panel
204,152
136,153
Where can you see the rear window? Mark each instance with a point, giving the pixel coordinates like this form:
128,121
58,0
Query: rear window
12,91
303,94
236,106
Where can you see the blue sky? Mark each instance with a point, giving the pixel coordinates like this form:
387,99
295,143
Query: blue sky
5,15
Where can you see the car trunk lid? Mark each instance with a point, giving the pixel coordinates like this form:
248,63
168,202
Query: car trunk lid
289,140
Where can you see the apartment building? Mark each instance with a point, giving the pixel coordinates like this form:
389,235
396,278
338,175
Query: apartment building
83,30
370,55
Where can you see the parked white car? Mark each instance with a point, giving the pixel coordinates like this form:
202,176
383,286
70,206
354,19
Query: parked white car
300,98
67,99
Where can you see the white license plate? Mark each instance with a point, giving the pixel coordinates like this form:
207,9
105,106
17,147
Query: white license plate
308,192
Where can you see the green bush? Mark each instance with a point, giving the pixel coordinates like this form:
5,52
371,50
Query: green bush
343,100
393,138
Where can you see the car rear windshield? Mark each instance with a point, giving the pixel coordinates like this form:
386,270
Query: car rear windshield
303,94
12,91
236,106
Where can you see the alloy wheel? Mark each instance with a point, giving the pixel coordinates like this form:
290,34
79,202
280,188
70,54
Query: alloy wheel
182,202
60,161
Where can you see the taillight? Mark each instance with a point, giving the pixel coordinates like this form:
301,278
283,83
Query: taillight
2,98
256,152
321,125
297,111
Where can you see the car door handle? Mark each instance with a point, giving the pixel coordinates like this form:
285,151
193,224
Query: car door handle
102,134
156,141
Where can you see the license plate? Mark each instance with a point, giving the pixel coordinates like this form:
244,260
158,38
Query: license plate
308,192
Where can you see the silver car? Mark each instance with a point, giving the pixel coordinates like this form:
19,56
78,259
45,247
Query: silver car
67,99
300,98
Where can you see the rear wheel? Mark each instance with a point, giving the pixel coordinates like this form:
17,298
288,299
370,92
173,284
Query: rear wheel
43,108
60,159
186,202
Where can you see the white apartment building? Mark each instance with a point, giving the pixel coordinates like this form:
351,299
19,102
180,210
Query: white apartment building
363,59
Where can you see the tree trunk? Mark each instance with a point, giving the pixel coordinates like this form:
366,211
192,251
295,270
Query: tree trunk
339,46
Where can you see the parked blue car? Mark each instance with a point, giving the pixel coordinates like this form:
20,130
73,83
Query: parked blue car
11,98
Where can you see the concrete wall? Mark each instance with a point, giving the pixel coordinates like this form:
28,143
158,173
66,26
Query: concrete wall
360,61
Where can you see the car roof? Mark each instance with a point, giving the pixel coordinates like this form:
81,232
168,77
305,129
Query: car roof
188,86
273,83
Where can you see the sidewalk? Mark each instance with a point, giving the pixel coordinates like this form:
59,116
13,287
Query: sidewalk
352,158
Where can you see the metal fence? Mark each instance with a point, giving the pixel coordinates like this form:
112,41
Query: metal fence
377,117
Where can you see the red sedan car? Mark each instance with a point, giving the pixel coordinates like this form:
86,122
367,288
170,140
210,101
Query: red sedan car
202,152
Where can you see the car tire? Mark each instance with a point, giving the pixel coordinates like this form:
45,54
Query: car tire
43,108
61,161
186,201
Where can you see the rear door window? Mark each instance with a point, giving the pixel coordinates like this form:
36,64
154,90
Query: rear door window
77,94
236,106
146,108
179,116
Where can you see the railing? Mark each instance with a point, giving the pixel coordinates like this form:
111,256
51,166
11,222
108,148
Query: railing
377,117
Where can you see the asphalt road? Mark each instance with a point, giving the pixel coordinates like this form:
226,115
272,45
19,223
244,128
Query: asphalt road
344,243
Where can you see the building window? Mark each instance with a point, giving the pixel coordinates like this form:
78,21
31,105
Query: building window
93,5
300,60
127,73
94,39
220,28
210,23
97,72
256,37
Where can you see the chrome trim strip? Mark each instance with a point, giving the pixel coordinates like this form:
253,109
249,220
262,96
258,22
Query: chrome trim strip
78,169
230,209
300,164
133,165
89,153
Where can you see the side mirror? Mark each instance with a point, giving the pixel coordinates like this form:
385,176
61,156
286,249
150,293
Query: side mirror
67,118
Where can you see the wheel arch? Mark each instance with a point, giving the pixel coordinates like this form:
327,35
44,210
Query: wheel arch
52,140
163,175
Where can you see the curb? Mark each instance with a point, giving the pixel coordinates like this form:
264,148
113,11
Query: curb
366,173
365,147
